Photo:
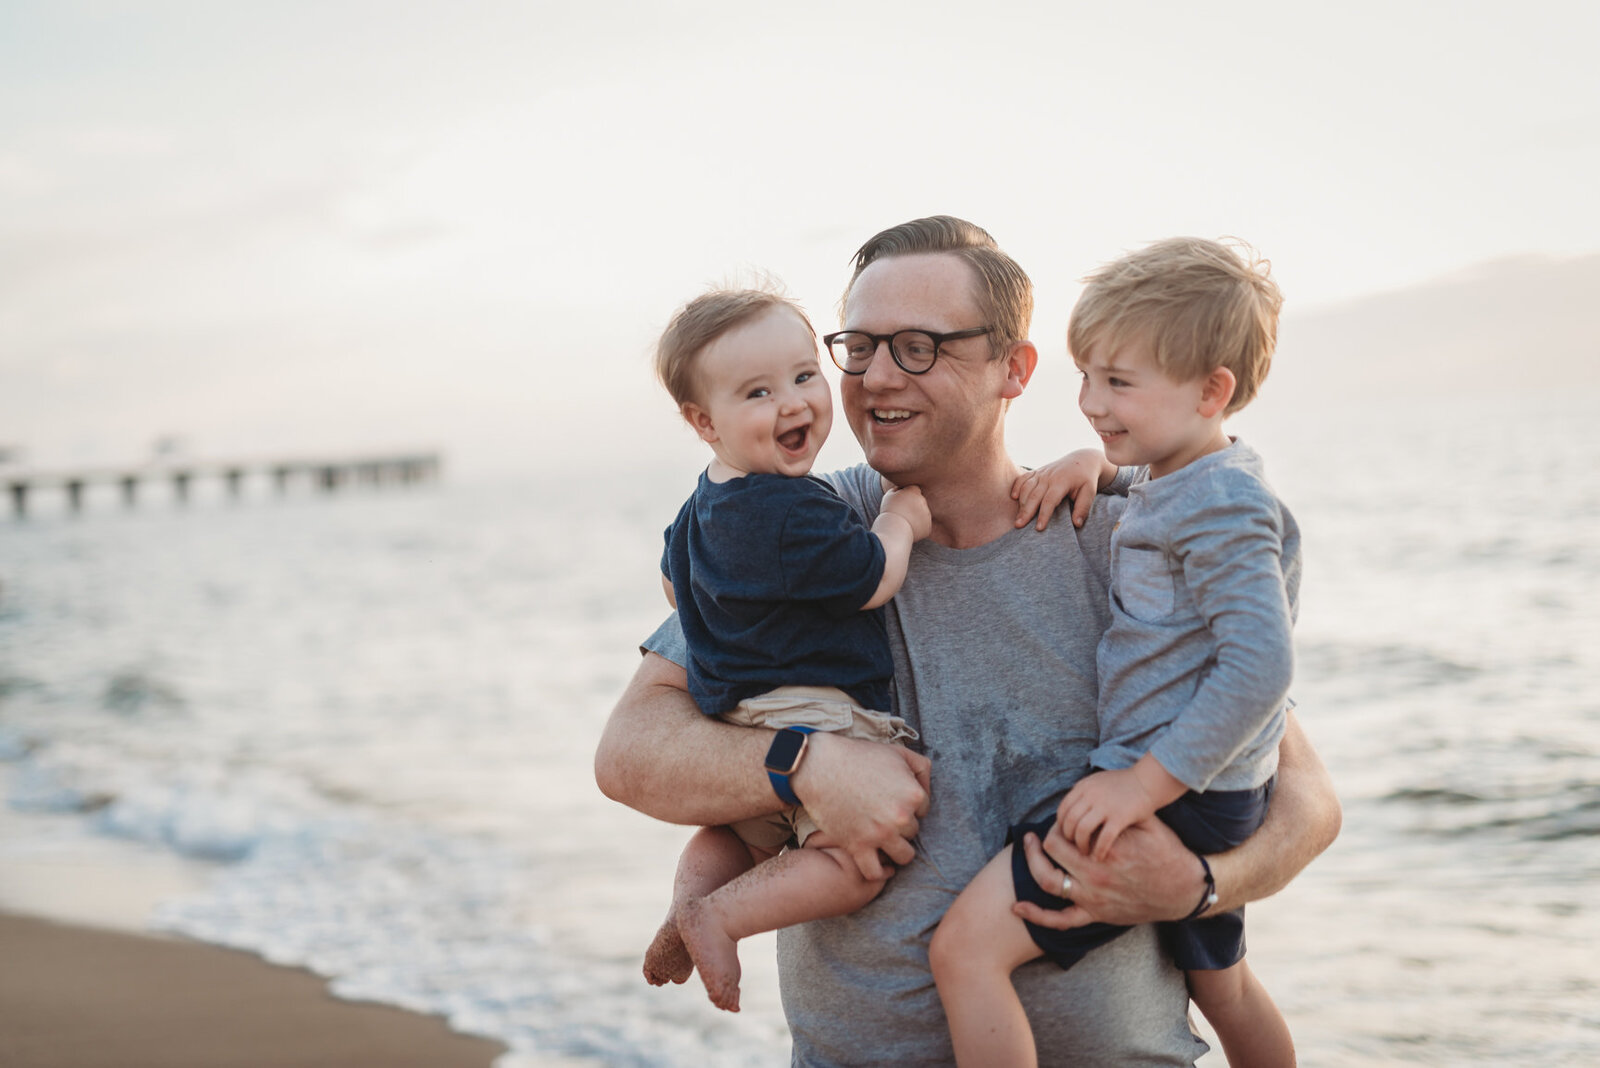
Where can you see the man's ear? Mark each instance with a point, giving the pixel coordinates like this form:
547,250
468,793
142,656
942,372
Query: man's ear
1020,362
700,419
1216,390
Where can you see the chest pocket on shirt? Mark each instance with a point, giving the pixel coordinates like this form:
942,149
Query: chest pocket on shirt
1144,585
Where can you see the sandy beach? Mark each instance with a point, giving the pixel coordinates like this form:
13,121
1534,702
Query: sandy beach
83,997
83,982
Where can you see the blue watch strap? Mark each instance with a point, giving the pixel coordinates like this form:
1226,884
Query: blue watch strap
780,779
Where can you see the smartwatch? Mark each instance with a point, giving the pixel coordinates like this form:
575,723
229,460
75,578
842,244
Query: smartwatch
783,760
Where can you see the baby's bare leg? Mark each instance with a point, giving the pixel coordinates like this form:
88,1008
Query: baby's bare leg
713,856
979,943
800,885
1249,1026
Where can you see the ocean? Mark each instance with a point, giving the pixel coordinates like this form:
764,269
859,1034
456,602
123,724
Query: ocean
369,720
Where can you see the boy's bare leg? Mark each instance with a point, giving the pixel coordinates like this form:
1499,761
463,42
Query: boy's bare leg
800,885
979,943
711,858
1249,1026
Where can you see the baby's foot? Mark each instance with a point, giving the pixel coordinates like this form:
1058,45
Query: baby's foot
714,953
667,960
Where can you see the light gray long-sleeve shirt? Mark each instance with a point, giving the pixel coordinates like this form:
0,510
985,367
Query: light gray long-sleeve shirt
1196,665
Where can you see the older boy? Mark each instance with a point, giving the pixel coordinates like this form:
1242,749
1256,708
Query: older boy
1195,667
994,636
774,578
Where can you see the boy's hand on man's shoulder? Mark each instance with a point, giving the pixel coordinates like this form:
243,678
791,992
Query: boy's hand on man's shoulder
1078,475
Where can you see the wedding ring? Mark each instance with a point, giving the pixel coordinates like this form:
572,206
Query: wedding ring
1066,885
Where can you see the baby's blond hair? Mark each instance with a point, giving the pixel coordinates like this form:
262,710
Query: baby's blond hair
1199,304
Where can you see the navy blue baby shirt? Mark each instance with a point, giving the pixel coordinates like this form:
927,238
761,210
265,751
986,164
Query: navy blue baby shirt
770,573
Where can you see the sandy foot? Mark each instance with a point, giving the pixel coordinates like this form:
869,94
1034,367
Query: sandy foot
667,960
714,953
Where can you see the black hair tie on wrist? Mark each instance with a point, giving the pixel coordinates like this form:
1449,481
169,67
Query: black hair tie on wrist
1208,898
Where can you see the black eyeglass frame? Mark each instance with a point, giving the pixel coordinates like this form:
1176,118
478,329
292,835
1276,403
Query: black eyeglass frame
877,339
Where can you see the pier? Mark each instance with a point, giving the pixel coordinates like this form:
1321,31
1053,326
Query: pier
321,474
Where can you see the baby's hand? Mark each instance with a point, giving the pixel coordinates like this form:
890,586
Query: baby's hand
1108,802
1078,475
908,503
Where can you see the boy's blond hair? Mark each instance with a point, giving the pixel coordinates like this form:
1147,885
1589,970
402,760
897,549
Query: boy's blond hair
1199,304
1002,288
700,322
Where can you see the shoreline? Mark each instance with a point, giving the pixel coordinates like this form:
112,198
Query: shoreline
89,997
89,982
91,979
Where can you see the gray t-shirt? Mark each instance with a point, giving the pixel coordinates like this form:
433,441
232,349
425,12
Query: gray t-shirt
994,652
1205,579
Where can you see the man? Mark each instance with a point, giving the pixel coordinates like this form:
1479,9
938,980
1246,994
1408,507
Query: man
994,634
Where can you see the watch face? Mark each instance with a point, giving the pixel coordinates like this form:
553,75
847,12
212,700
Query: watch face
784,756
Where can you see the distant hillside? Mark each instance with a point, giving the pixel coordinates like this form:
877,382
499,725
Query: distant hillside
1512,324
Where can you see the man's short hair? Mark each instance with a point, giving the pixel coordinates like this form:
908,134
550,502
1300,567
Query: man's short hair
700,322
1004,291
1199,304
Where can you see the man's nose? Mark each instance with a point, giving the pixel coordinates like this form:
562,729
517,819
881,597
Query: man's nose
882,372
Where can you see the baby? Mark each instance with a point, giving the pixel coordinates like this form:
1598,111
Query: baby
1195,668
775,579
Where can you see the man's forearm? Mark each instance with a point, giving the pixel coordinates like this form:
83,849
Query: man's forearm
1152,876
661,755
1302,820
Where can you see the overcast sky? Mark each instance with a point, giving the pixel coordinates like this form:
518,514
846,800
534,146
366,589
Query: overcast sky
288,226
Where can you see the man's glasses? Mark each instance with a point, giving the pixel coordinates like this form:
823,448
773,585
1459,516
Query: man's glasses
913,350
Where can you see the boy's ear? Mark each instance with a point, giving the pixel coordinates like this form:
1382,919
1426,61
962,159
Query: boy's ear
1216,390
1020,362
700,419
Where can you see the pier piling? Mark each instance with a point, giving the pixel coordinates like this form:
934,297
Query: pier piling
326,476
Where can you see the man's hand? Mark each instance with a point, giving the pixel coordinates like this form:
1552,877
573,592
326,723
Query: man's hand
866,797
1149,876
660,755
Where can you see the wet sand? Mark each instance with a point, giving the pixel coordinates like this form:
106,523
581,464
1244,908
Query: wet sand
87,997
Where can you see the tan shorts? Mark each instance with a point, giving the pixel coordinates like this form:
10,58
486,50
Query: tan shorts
825,709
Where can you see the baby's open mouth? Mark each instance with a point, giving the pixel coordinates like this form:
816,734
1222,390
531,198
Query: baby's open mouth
795,440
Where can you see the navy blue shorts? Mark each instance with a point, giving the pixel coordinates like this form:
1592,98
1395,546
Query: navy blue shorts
1206,823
